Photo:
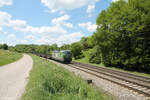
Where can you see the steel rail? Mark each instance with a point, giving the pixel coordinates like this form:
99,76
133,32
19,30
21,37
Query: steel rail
84,69
126,74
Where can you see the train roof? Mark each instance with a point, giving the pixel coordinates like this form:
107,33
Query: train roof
65,50
56,51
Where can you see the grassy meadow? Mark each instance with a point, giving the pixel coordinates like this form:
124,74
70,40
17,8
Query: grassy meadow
48,81
7,57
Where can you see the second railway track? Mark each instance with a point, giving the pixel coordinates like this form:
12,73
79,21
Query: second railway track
139,84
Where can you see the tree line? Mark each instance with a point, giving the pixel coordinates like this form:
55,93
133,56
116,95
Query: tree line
122,38
43,49
4,46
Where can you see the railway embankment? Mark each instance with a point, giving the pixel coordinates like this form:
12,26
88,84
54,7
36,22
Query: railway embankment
49,81
110,84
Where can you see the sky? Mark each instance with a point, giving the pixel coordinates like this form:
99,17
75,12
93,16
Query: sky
48,21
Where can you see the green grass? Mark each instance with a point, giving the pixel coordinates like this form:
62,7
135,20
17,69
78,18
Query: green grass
85,60
7,57
48,81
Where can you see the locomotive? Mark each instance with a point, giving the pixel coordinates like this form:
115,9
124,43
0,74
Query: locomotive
62,56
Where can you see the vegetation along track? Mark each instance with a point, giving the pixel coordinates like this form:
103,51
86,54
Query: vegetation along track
139,84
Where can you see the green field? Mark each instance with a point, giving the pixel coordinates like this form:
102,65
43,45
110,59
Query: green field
7,57
85,60
48,81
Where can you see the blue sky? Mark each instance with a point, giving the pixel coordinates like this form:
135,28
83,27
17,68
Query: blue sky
48,21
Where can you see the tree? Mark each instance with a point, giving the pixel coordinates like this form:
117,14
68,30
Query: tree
76,49
1,46
65,47
54,47
83,41
94,56
123,34
5,46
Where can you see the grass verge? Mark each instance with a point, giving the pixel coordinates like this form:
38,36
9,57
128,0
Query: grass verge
7,57
51,82
85,60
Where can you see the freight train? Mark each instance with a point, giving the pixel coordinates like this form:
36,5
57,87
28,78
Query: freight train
64,56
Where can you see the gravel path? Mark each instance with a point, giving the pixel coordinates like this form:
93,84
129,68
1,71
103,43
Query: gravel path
119,92
13,78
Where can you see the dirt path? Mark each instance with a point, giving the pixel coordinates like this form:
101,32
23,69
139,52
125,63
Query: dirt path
13,78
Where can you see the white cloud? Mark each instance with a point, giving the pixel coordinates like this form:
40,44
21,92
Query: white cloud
5,2
4,18
69,38
11,36
40,35
22,41
49,30
21,25
90,9
119,0
15,41
62,5
68,25
17,23
89,26
30,37
62,21
2,31
115,0
62,39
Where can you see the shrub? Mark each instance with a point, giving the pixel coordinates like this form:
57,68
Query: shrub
94,56
76,49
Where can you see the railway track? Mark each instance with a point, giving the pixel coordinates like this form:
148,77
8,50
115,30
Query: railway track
139,84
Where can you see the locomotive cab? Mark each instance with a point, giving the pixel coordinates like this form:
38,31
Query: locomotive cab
64,56
67,56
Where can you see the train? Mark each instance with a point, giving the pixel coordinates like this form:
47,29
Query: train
63,56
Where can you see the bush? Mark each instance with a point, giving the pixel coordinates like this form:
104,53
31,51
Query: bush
76,49
94,56
4,46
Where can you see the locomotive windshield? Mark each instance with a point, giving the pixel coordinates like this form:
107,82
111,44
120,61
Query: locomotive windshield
67,52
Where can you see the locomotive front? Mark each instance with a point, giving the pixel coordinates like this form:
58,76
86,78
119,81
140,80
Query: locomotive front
67,56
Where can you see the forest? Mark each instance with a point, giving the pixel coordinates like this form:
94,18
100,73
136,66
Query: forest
122,38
